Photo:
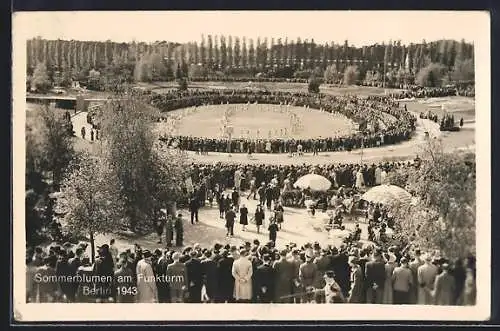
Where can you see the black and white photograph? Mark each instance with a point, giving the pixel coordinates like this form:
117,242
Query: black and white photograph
245,165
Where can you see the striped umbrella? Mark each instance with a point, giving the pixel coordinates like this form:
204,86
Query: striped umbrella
388,195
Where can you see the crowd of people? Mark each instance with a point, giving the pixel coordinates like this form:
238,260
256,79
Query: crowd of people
398,123
256,272
253,272
446,123
433,92
208,178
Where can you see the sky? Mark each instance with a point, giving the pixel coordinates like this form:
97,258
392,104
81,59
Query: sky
359,27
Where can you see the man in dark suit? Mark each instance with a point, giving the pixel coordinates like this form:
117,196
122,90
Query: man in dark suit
225,279
265,281
284,274
163,286
195,277
230,217
194,206
209,273
73,264
235,197
375,278
269,196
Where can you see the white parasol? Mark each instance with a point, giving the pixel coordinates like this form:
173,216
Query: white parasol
313,182
388,195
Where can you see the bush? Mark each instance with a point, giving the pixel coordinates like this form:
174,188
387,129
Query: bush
182,84
351,75
313,86
304,74
431,76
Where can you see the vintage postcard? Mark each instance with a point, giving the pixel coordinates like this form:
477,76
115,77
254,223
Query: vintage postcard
272,162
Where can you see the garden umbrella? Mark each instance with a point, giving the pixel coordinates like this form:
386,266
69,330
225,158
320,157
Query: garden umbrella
388,195
313,182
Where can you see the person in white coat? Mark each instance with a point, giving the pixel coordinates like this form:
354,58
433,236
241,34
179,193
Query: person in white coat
242,273
360,181
147,292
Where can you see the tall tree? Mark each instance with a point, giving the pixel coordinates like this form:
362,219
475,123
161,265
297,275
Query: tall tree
55,142
203,56
209,51
230,51
280,52
270,54
196,53
147,180
40,79
251,53
216,55
237,52
223,52
285,53
91,198
244,53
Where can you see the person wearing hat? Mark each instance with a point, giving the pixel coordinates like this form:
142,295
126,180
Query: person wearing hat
194,276
284,271
426,275
444,287
104,268
225,280
242,272
161,269
230,217
331,290
308,274
74,263
323,261
63,270
179,230
402,280
147,292
273,230
176,276
265,280
124,284
278,212
259,217
269,196
235,198
221,202
253,188
243,217
68,248
169,231
261,191
375,278
414,265
209,274
357,288
390,265
194,206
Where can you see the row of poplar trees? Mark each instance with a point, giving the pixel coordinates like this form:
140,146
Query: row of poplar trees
220,52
